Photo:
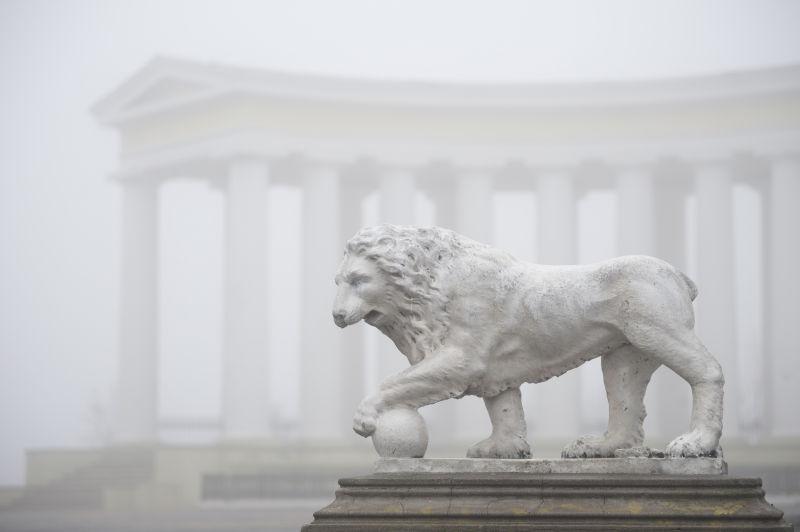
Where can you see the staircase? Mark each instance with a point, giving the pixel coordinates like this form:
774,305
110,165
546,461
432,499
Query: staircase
82,489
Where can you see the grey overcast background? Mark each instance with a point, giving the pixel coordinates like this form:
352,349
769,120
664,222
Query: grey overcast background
59,211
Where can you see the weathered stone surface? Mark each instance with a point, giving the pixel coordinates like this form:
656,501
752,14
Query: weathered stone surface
633,452
400,432
473,320
519,501
639,452
611,466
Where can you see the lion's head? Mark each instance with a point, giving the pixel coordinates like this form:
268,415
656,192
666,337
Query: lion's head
390,278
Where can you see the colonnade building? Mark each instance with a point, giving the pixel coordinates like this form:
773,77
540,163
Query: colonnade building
662,147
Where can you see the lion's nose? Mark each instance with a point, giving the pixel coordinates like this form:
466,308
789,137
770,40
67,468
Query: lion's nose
338,319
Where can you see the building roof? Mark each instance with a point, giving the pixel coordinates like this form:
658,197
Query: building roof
166,83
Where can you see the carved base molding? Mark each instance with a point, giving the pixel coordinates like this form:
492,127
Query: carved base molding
528,501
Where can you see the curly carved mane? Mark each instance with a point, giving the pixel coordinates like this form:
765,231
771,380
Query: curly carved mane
411,259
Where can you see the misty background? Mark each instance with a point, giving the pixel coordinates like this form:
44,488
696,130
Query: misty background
60,208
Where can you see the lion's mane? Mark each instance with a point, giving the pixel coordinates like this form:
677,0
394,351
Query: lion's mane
412,260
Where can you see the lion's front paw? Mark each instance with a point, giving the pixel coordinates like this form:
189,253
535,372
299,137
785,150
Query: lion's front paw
366,417
693,444
500,447
593,446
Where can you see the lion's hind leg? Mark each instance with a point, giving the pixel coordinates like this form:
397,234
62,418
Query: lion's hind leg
626,373
508,428
680,350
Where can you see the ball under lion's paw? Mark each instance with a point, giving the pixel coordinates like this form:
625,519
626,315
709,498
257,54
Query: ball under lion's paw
400,433
500,447
694,444
593,446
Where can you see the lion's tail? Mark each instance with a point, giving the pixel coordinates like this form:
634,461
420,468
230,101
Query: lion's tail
689,284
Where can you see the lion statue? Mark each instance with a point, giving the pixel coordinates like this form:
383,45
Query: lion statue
473,320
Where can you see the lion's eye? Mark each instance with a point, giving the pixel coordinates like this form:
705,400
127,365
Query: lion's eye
358,279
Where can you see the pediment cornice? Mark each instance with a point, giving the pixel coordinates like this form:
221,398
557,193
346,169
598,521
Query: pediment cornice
167,83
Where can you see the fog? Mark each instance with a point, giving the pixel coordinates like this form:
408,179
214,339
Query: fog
60,207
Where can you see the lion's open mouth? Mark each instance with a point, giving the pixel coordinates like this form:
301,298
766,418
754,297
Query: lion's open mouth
372,317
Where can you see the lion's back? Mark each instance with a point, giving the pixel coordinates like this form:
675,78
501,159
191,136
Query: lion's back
594,290
637,269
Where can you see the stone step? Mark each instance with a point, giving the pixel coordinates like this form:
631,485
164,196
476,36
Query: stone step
524,501
83,488
48,498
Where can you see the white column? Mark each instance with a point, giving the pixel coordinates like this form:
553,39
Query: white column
442,418
352,339
637,209
557,409
783,278
137,386
475,219
636,212
444,199
670,217
397,197
474,215
557,218
715,278
397,206
668,397
321,397
245,403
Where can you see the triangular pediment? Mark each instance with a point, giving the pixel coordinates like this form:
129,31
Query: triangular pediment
164,90
158,85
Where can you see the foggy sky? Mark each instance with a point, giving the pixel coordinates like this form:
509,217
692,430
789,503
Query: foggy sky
59,212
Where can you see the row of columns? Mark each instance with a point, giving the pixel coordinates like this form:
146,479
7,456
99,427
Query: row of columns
333,382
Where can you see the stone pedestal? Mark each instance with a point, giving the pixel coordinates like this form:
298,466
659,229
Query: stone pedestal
593,494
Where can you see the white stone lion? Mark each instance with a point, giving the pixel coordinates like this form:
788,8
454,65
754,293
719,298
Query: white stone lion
473,320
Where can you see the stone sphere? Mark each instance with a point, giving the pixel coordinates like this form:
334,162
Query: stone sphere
400,433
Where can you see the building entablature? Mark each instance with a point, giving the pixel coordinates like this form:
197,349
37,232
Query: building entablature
184,117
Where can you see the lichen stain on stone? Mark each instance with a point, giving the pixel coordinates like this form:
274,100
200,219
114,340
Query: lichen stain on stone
569,506
635,507
728,509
